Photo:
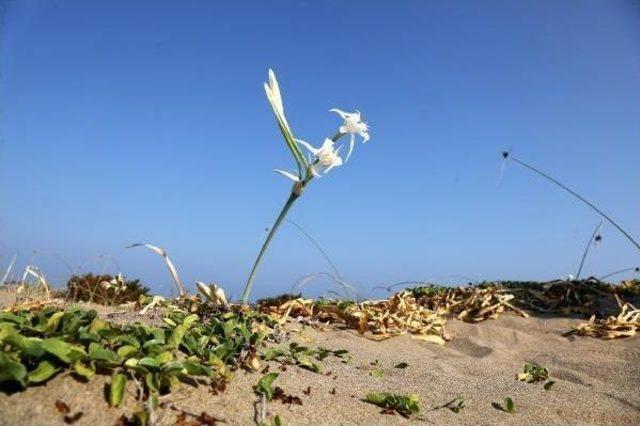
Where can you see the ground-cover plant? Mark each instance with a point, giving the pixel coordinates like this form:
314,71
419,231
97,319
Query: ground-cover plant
320,160
38,345
508,406
506,155
103,289
456,405
303,356
533,372
391,403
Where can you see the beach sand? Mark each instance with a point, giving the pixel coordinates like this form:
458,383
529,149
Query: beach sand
597,381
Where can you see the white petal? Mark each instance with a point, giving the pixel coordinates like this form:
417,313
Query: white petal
351,142
327,144
288,175
340,113
365,136
307,145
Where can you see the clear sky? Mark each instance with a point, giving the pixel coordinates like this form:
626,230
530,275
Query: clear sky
146,121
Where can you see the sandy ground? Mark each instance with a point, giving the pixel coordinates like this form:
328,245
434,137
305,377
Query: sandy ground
597,381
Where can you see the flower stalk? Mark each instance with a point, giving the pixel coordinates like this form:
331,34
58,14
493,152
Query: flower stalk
320,161
507,155
586,250
296,191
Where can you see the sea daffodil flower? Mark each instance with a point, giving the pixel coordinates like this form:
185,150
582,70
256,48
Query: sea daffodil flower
326,157
321,160
353,125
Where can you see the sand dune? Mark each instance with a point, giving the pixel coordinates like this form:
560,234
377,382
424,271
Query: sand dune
597,381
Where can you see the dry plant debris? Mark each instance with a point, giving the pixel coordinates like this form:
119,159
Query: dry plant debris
377,320
471,304
625,324
564,297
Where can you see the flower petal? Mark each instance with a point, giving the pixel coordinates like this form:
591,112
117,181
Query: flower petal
365,136
341,113
351,142
307,145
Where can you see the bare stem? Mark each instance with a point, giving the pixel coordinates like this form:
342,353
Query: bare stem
586,250
575,194
283,213
635,269
320,249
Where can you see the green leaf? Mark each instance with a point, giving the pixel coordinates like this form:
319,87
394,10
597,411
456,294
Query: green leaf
11,371
401,365
30,347
149,363
305,361
548,385
377,373
264,386
178,333
509,406
403,404
65,352
105,355
340,352
53,322
174,367
42,372
153,342
127,351
83,370
273,353
164,357
116,389
169,321
197,369
128,340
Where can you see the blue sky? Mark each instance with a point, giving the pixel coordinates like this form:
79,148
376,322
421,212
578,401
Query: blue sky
146,121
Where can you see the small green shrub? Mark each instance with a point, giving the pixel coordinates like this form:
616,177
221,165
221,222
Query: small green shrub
99,289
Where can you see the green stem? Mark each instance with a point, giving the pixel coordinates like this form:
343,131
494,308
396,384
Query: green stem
297,190
283,213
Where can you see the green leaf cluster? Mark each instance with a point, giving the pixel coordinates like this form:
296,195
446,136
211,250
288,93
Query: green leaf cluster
302,356
402,404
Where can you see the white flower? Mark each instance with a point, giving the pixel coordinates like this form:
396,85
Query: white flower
326,157
275,99
352,125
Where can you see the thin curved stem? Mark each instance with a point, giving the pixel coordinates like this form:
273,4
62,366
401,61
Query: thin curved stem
320,249
283,213
636,269
586,250
578,196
